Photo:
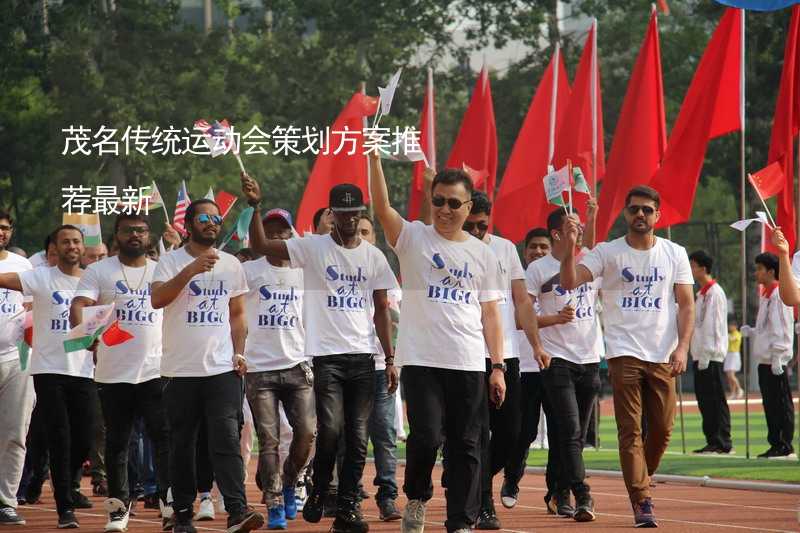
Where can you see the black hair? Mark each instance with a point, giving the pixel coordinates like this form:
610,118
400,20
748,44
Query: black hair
365,216
702,259
769,262
536,232
555,220
190,211
5,215
317,217
480,204
452,176
130,216
54,236
48,240
644,191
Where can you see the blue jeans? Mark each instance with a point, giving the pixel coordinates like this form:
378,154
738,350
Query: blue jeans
384,439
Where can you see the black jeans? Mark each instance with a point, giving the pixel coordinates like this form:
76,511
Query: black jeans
217,400
778,408
34,472
344,388
709,387
68,405
122,403
445,404
573,388
501,434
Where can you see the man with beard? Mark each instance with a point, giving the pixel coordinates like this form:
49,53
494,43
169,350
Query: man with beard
63,381
202,293
16,386
648,319
345,280
128,374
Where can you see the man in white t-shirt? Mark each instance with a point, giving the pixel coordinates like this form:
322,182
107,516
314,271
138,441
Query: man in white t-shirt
16,385
202,291
346,280
647,333
128,374
278,371
63,381
572,381
502,424
708,348
450,316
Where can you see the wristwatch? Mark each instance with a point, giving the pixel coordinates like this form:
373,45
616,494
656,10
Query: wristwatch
499,366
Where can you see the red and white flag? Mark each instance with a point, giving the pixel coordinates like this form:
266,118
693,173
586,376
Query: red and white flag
428,144
179,219
218,136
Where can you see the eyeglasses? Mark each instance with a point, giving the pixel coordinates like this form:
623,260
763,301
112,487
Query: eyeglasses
130,230
646,209
452,203
469,226
205,219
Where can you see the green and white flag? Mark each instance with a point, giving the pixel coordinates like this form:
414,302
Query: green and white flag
556,183
88,223
580,181
95,320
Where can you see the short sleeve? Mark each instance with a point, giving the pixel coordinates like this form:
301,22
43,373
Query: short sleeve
89,285
514,263
796,266
491,286
532,282
30,281
406,236
238,279
683,270
163,272
384,277
300,250
594,260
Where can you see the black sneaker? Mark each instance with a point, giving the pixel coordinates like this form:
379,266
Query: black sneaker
79,501
182,521
563,504
9,516
509,494
167,523
349,520
330,505
33,494
772,452
584,508
388,511
706,449
187,527
312,510
151,501
246,520
67,520
487,518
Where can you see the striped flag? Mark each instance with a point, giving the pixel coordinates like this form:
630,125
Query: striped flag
88,223
218,136
179,219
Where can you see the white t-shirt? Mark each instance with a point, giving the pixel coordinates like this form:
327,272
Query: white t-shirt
526,361
275,333
395,296
579,341
39,259
339,283
12,314
796,266
509,268
640,314
138,359
197,328
444,284
52,292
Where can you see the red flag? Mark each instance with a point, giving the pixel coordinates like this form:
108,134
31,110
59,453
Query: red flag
427,142
785,125
663,7
476,144
181,204
225,201
768,181
114,335
334,168
641,124
581,138
521,204
712,107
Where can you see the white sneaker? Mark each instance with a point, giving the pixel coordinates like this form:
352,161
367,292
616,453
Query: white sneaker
166,509
206,510
221,504
413,517
117,515
300,495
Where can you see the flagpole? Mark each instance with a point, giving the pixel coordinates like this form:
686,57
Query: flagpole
594,108
362,86
743,237
553,104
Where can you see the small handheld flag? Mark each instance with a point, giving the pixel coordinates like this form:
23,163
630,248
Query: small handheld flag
556,183
220,139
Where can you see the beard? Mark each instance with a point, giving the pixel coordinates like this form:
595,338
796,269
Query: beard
204,241
647,228
131,251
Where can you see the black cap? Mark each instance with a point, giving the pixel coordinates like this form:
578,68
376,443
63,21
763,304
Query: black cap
346,197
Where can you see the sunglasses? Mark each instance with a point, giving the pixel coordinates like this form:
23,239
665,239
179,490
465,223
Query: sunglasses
205,219
452,203
469,226
130,230
646,209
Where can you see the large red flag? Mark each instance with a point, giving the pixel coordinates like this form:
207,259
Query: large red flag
427,142
521,204
476,144
712,107
581,138
641,125
785,125
333,168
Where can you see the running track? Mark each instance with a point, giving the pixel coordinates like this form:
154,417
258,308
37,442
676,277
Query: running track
679,509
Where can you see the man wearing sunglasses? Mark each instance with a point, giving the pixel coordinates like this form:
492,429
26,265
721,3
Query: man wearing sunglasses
648,318
503,422
202,291
450,316
128,375
346,280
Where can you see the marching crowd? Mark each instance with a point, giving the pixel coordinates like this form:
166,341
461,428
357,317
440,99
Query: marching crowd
294,339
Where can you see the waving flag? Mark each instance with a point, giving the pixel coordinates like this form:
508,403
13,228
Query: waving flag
179,219
556,183
225,201
768,181
218,136
95,318
88,223
387,93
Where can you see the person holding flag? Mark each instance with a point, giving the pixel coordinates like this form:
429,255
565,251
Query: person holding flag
648,317
346,280
127,373
202,293
63,382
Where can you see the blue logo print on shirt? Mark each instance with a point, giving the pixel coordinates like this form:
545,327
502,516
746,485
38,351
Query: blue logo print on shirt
276,313
59,321
137,308
205,307
6,307
641,296
449,284
348,295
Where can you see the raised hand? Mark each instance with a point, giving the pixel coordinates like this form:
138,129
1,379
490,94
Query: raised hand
204,262
250,189
779,241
